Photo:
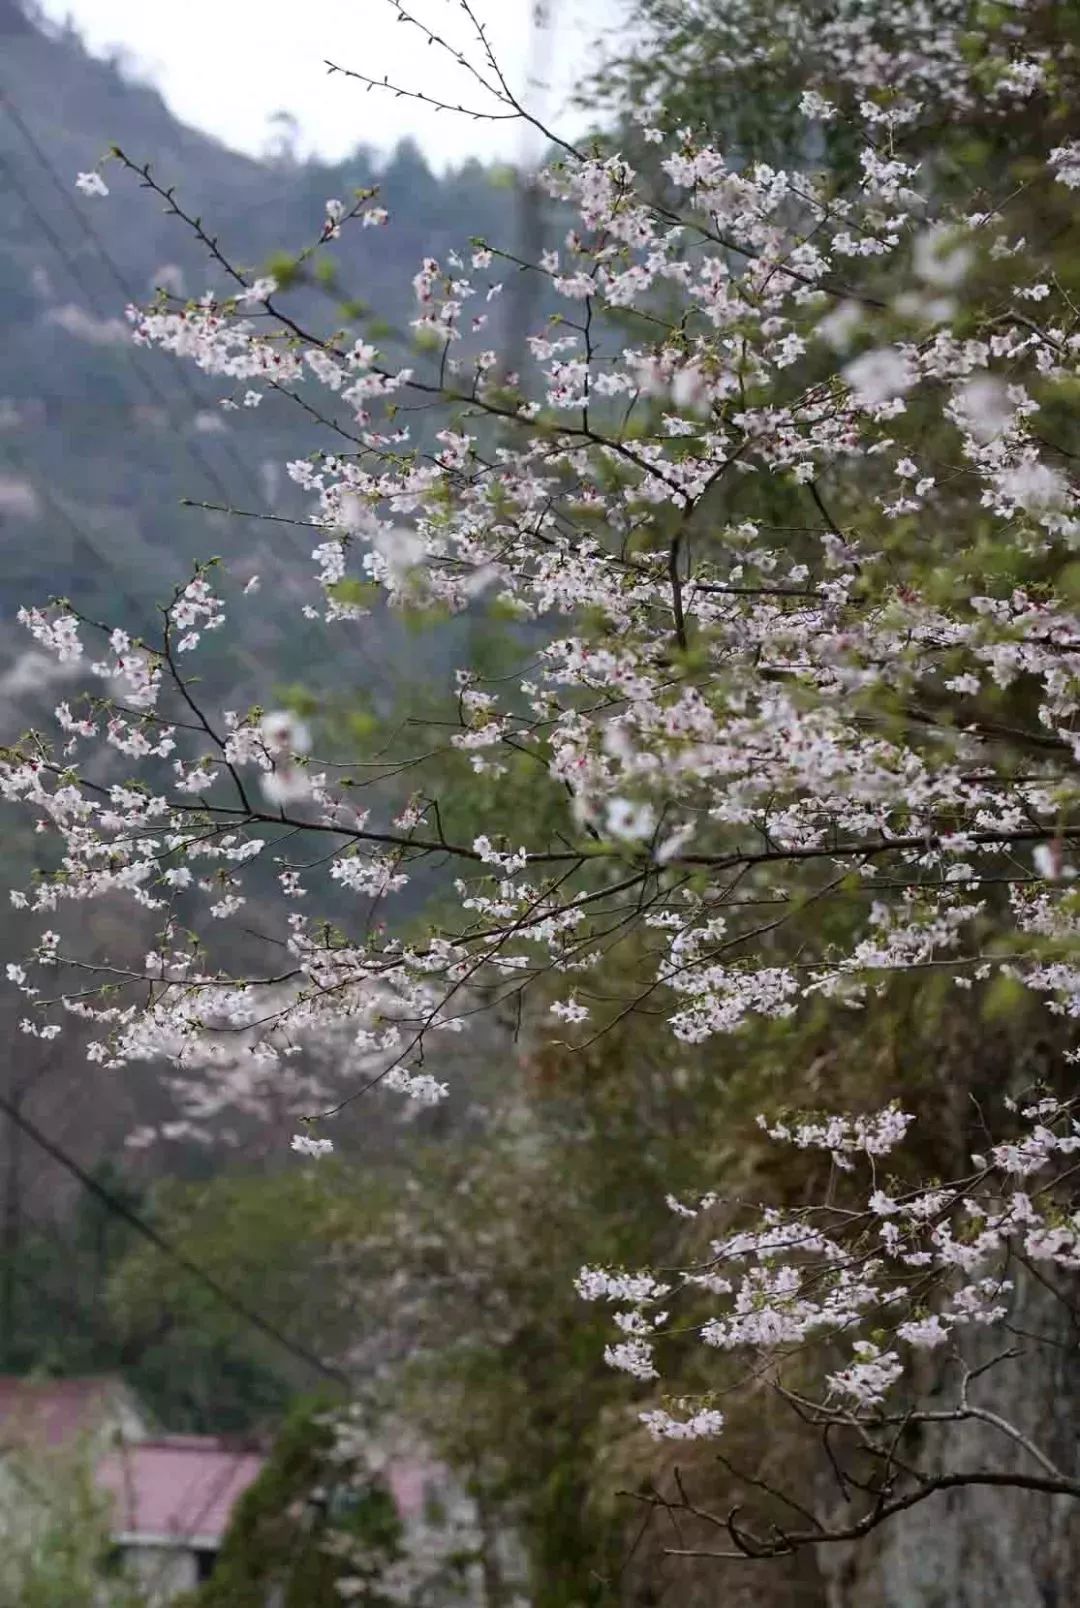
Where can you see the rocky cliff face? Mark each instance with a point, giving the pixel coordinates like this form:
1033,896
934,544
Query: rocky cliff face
971,1547
977,1547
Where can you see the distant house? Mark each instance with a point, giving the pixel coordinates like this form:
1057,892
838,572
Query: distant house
172,1495
60,1412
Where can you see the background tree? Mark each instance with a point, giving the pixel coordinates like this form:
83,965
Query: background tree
57,1550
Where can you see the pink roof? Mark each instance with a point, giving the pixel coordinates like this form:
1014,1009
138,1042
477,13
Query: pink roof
409,1484
181,1486
55,1410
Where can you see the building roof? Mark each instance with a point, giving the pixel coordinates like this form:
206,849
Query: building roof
53,1412
409,1485
166,1488
179,1488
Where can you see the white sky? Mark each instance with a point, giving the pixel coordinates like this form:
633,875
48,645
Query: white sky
228,65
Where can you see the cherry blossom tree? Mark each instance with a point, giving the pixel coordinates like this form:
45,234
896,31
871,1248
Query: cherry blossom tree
788,483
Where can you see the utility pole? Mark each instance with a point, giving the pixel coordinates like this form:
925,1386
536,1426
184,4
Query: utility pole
11,1224
9,1236
529,227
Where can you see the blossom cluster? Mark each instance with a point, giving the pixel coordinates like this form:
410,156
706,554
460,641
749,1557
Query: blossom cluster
905,1272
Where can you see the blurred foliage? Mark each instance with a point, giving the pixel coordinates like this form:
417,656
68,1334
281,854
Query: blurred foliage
307,1523
55,1547
90,1296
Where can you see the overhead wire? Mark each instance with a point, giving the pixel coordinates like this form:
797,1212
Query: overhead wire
193,1519
134,1219
150,384
129,293
87,543
144,378
112,1203
82,536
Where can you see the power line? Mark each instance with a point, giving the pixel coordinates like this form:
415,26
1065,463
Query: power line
121,1209
151,386
84,541
118,277
87,543
82,538
58,245
217,1487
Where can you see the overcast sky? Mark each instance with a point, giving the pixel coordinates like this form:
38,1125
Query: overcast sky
228,65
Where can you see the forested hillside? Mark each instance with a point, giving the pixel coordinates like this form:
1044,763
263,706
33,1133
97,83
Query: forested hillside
101,447
100,444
